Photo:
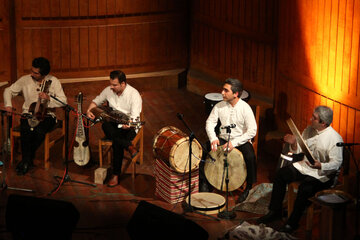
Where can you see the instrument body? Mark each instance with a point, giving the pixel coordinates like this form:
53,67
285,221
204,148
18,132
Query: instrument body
171,145
81,145
107,114
206,202
215,172
38,109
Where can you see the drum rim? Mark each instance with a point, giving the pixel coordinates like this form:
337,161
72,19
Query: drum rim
210,208
160,132
213,93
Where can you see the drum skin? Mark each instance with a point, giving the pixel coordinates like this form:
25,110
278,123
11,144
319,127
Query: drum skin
171,145
215,174
206,202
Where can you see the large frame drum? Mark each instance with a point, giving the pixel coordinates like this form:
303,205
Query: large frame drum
171,145
215,172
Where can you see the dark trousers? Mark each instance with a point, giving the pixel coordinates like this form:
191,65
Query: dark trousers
307,188
31,138
248,153
121,139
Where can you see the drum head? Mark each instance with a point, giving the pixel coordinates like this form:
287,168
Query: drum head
215,174
209,203
179,155
217,97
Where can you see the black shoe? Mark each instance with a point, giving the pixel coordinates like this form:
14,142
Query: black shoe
243,196
269,217
287,229
23,167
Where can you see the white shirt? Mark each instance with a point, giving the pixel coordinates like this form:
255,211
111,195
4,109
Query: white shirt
241,115
31,89
322,145
129,102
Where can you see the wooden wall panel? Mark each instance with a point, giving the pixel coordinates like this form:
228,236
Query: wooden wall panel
236,39
84,38
5,63
318,62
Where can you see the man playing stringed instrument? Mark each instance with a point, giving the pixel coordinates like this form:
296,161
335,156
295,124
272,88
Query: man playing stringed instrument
127,100
36,88
320,139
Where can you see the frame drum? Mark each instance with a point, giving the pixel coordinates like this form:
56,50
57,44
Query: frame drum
215,172
205,202
171,145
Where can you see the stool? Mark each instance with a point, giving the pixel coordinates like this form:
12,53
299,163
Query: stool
332,205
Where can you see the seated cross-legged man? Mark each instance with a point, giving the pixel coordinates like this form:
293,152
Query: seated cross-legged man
126,99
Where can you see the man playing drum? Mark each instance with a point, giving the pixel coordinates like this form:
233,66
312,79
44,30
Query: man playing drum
236,112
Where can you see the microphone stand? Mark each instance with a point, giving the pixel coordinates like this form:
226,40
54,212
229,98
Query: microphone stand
192,136
357,235
67,177
4,155
226,214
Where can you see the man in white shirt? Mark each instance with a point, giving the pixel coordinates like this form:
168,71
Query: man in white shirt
321,139
233,110
126,99
31,88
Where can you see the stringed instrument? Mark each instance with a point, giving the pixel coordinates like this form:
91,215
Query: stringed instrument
38,109
107,114
81,144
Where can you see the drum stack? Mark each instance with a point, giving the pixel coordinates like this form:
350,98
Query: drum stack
171,151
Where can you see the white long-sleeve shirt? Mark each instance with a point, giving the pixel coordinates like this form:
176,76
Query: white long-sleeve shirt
241,115
31,89
129,102
322,145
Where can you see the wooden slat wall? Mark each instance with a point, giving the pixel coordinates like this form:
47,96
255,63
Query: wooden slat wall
4,42
236,38
91,37
318,61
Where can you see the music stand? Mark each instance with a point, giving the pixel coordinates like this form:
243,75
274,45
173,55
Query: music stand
192,136
4,153
66,177
226,214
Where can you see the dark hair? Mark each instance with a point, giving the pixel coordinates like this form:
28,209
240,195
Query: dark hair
117,74
236,85
325,114
43,64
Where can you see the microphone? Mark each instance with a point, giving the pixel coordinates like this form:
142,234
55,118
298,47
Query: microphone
180,116
229,126
96,121
342,144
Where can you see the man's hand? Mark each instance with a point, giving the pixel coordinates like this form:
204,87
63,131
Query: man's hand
43,95
230,146
291,139
316,165
214,145
90,115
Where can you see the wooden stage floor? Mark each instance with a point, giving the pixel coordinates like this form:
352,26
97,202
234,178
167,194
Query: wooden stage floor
105,212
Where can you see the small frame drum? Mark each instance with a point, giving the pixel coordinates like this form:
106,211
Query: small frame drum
205,202
215,174
171,145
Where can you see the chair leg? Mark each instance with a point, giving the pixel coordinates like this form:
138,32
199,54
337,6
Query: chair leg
47,151
12,149
100,154
309,218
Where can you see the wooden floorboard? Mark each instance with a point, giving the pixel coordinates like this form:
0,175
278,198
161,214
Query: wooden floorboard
105,212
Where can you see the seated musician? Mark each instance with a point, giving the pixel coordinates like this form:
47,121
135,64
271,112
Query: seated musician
321,140
233,110
36,87
126,99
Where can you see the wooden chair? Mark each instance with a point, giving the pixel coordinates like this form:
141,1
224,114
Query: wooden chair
255,140
343,185
55,135
137,142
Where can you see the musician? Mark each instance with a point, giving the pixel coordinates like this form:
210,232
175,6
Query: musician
126,99
233,110
321,139
30,86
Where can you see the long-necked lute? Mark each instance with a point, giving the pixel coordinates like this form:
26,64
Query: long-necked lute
81,144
